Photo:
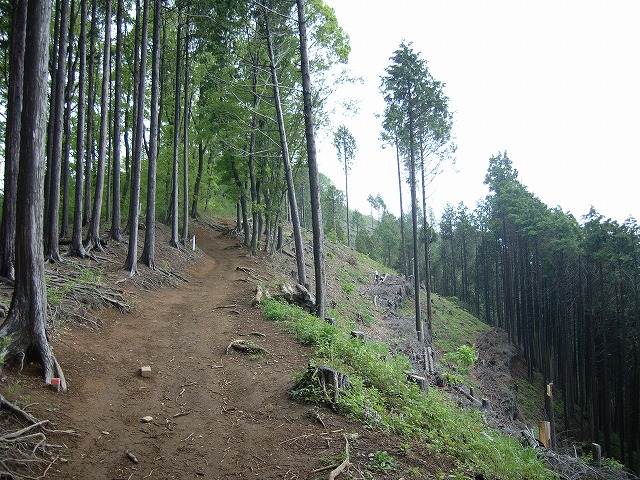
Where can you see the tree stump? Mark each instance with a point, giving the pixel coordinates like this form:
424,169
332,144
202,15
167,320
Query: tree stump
332,382
418,380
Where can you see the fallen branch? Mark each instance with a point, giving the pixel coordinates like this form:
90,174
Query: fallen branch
340,468
246,346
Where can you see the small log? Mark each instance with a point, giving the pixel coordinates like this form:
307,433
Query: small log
486,404
468,396
359,335
418,380
471,392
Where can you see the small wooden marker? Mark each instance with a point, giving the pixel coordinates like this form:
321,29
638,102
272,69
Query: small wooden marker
145,371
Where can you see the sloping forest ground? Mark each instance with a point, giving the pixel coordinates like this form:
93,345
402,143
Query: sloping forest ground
215,412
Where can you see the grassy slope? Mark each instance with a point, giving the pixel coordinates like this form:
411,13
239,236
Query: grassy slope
380,396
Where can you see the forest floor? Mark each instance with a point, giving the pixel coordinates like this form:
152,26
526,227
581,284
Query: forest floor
215,413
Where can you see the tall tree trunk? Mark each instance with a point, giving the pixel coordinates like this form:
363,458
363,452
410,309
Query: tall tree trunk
252,155
51,244
148,254
297,232
93,237
53,65
66,149
136,166
314,184
185,140
12,139
403,252
91,89
117,102
176,140
414,218
77,249
427,257
25,322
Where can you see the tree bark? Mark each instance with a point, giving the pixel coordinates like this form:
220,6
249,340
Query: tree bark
148,253
66,149
427,259
252,155
12,139
297,232
117,106
403,253
314,184
91,90
176,140
52,202
134,204
77,249
185,141
93,237
414,218
25,322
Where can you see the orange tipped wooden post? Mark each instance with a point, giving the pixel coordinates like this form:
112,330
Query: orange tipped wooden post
55,384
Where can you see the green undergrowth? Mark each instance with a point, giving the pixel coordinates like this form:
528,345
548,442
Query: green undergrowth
382,399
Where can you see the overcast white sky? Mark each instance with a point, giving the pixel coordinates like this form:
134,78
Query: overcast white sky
554,83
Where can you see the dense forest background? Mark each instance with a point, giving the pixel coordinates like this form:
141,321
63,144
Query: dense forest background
171,108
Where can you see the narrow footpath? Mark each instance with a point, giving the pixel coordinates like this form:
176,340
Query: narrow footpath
216,415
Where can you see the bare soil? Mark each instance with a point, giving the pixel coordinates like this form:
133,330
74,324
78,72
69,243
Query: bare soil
216,414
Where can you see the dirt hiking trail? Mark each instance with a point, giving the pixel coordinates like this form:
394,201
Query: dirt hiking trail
215,415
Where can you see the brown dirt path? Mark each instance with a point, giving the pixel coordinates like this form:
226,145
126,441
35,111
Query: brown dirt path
215,415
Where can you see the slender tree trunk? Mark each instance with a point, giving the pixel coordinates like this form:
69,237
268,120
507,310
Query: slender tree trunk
185,141
51,243
414,218
93,237
25,322
148,254
77,249
66,149
53,65
314,184
252,154
427,258
12,139
403,253
117,102
297,233
134,204
346,196
176,140
127,152
91,88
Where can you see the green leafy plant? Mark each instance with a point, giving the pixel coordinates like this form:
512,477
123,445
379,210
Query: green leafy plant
381,460
348,287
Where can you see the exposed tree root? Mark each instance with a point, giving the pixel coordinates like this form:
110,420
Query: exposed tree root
24,452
